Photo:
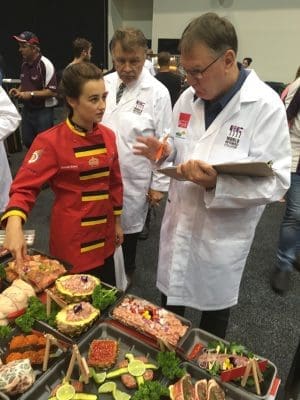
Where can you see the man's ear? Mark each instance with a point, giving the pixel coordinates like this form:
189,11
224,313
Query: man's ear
229,58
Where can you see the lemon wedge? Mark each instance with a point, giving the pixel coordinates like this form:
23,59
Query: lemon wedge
65,392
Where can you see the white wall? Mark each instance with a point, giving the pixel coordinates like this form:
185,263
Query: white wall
268,30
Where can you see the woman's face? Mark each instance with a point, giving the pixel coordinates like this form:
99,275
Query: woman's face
89,107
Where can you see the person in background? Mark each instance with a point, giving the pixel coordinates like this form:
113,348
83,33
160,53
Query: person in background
137,105
148,62
226,115
37,89
171,80
288,252
247,62
82,50
9,122
286,90
79,159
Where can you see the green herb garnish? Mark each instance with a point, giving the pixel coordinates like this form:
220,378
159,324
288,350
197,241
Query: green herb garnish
36,310
151,390
170,364
2,272
102,298
5,331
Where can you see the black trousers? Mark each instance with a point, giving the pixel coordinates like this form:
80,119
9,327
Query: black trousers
129,246
105,272
215,322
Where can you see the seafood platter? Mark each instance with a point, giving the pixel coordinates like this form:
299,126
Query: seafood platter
228,363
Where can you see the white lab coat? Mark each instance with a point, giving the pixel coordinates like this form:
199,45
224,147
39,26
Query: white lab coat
144,110
9,121
206,235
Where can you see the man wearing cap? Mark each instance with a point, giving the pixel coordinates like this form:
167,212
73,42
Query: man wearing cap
37,88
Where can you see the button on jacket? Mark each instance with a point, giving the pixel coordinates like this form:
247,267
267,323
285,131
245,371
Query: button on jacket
206,235
83,171
143,110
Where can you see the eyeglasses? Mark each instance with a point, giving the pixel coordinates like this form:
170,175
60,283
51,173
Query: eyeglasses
197,72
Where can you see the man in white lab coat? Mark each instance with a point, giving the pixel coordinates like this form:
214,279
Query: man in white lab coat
227,115
137,105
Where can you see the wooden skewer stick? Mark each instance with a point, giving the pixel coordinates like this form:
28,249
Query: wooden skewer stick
246,373
87,371
57,300
255,376
48,303
81,364
259,373
47,353
71,365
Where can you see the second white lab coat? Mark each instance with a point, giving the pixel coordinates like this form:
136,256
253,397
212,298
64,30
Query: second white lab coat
144,110
206,235
9,122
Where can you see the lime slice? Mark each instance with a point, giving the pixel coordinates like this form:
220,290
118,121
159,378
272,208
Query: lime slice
136,368
107,387
65,392
118,395
99,377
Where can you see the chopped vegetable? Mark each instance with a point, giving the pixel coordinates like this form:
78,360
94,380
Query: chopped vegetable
5,331
169,364
35,310
102,298
150,390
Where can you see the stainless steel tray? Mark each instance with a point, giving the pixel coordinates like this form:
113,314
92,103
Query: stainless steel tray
127,343
195,336
4,351
183,320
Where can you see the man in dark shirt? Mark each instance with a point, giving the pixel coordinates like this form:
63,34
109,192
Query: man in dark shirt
37,88
169,79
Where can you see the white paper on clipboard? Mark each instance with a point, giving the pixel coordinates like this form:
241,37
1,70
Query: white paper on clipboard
256,169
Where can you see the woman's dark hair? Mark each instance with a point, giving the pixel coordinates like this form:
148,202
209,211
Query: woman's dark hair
217,33
74,77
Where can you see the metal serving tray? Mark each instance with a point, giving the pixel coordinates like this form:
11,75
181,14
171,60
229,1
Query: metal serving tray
183,320
195,336
4,351
128,343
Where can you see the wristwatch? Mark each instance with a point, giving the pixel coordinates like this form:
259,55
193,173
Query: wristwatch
32,94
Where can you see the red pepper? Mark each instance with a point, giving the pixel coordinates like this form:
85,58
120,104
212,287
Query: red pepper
195,351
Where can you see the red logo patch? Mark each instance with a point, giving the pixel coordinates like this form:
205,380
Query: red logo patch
184,120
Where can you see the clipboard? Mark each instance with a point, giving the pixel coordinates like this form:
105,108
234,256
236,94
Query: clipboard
255,169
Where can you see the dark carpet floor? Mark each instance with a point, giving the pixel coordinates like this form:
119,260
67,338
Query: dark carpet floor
266,323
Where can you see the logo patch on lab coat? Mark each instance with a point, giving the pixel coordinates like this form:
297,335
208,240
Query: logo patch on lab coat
35,156
234,136
184,120
181,134
139,107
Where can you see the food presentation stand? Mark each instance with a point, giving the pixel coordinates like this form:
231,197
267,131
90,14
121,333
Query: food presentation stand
139,331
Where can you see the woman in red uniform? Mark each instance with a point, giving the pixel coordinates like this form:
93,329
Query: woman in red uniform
79,159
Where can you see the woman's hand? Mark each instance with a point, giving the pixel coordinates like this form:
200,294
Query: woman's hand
151,148
198,172
15,240
119,232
